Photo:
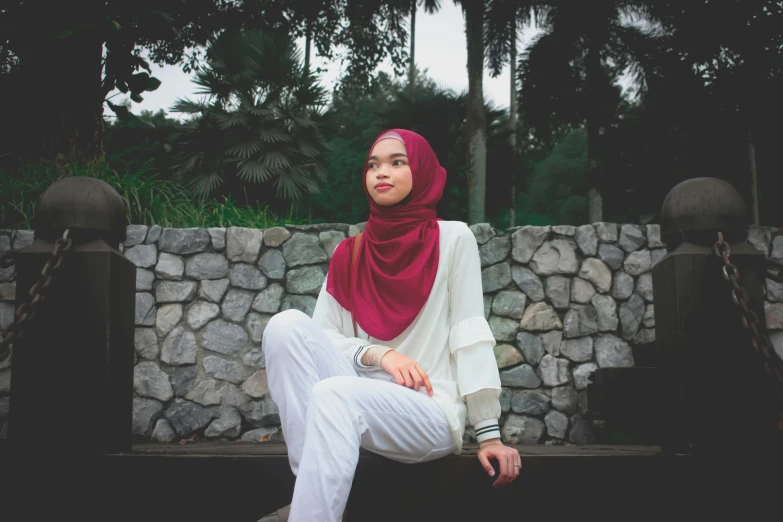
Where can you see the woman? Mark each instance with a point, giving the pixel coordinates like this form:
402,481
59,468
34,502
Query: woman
418,360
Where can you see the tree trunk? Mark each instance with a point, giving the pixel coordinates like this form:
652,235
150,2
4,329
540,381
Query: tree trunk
512,122
58,89
308,44
595,201
754,187
412,71
476,142
595,206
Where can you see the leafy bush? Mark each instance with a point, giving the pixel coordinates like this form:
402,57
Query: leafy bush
260,121
148,200
556,188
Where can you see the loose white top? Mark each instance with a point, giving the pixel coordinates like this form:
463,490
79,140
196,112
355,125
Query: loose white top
450,338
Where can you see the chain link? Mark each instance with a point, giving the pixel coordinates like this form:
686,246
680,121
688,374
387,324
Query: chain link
750,319
37,295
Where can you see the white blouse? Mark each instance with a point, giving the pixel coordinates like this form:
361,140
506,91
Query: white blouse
450,338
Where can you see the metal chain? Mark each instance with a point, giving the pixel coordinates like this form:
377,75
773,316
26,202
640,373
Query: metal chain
37,295
750,320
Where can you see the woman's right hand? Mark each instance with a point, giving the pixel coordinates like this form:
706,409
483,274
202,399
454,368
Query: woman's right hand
406,371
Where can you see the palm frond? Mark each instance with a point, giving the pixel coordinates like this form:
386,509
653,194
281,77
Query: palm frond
189,163
261,120
254,171
273,135
318,171
430,6
292,182
206,183
244,150
231,119
500,17
641,53
276,160
552,90
187,106
260,111
305,123
309,150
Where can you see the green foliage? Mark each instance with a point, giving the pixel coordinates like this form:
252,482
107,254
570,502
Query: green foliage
738,60
668,139
709,77
342,200
109,45
165,28
143,140
354,123
501,17
148,200
361,34
260,121
568,74
437,114
556,188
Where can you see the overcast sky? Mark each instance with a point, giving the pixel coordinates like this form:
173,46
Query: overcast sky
440,50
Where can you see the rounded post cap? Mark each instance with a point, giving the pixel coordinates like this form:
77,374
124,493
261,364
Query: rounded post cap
86,205
696,209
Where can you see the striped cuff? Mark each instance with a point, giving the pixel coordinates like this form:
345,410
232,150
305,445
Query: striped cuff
357,356
487,429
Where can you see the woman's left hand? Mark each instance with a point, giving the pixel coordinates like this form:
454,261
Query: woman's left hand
508,460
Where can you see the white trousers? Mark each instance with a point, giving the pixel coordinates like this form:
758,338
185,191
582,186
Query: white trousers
328,411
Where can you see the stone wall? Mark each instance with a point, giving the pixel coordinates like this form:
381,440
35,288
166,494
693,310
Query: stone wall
561,302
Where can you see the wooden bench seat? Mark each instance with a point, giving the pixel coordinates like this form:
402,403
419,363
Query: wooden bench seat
242,481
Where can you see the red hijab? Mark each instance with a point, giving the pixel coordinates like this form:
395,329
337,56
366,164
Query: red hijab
398,259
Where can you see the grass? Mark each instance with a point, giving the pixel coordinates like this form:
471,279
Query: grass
148,200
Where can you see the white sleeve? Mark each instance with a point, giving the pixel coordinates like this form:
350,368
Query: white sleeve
483,402
471,341
328,315
483,413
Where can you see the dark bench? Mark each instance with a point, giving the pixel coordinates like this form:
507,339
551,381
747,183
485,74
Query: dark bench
241,481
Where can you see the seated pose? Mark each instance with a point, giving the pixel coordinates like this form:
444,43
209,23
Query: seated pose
398,353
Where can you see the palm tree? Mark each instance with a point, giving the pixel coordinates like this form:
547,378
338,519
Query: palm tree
430,6
258,123
739,57
412,66
476,143
504,18
478,16
569,72
512,116
477,124
314,20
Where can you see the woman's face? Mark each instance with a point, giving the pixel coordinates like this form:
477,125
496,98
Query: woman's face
389,179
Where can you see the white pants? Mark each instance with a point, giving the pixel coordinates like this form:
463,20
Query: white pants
328,411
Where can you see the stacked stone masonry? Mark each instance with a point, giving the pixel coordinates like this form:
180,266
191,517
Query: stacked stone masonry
561,301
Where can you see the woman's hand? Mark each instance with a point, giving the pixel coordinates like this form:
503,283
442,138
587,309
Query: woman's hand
508,459
406,371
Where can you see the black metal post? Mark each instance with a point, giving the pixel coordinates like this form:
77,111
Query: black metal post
716,394
72,370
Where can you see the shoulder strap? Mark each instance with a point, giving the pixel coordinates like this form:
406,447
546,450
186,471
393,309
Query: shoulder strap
357,242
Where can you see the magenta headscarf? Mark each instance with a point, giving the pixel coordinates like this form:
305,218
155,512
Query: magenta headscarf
398,259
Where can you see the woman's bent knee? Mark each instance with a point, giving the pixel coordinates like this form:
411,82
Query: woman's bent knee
280,328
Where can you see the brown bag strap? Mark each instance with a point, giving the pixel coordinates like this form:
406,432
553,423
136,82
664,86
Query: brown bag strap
357,242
